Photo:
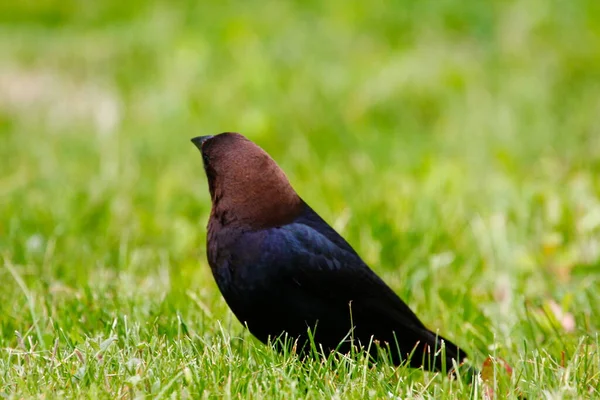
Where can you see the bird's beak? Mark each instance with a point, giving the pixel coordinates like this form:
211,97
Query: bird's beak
199,140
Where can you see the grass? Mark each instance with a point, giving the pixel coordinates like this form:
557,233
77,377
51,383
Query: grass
454,144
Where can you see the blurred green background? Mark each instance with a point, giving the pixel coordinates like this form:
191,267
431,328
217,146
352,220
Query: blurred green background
455,144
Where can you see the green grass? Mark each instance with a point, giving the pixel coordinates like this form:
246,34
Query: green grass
456,145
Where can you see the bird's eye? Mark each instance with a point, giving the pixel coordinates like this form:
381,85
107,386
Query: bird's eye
205,158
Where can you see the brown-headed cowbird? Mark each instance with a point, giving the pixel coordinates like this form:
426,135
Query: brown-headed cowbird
284,271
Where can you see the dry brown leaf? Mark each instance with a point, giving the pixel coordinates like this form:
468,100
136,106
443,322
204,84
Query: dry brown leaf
488,374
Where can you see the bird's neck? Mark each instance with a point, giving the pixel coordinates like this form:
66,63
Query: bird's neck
256,204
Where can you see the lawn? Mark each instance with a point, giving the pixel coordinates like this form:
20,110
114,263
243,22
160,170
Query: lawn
456,145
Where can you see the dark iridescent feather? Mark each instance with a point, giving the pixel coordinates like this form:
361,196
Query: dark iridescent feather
303,274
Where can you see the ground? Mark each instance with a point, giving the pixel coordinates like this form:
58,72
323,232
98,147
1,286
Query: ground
455,144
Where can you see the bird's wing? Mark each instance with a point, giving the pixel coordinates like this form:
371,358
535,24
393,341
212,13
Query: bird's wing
327,280
309,260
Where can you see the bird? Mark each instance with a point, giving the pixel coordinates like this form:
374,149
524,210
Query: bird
286,273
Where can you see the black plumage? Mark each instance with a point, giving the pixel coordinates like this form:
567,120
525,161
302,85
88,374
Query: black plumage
283,270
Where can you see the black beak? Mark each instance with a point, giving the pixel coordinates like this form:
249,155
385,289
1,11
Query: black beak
199,140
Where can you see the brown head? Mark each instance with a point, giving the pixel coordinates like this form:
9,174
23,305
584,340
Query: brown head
247,188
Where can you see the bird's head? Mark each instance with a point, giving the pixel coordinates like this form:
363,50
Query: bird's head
246,186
